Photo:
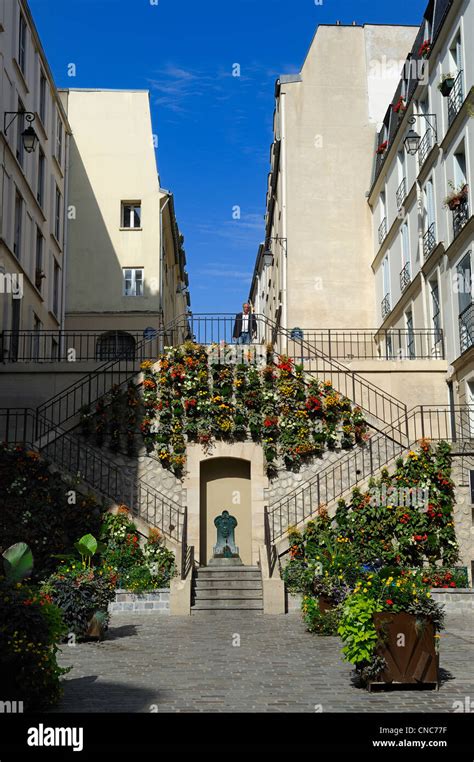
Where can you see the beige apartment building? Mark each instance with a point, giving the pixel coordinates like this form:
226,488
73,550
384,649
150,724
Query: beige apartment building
126,268
34,148
318,223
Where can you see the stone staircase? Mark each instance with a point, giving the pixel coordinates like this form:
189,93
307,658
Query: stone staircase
217,588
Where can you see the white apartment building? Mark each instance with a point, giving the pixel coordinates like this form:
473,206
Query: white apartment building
33,187
423,248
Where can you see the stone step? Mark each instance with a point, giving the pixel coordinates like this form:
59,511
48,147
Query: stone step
228,584
225,595
238,613
235,573
228,605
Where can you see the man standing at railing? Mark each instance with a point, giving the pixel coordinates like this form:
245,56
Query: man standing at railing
245,326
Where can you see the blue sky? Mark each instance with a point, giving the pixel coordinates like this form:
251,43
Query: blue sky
214,129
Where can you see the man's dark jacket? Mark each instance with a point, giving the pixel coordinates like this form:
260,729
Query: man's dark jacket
238,325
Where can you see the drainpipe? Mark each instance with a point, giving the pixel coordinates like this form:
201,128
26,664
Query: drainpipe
62,323
162,258
284,250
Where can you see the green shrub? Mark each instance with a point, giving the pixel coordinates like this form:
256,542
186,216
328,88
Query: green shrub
322,623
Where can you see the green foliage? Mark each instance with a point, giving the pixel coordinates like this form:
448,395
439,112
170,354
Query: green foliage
357,628
17,562
80,592
30,628
35,508
320,622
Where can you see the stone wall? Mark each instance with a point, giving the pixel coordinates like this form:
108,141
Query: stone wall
157,602
463,511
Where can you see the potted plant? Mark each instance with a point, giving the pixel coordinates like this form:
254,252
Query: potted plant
425,49
389,626
382,148
400,107
446,84
457,196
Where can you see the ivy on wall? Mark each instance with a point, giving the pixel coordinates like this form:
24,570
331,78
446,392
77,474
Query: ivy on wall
191,395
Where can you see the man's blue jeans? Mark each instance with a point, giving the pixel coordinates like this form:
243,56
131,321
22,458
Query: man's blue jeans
244,338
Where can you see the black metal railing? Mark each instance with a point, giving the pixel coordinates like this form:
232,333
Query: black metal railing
405,277
429,240
451,424
23,426
460,216
187,551
401,193
272,556
382,232
466,328
455,98
80,346
426,144
370,344
385,306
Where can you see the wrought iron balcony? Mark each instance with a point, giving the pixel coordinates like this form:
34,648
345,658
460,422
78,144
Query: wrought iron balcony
460,216
401,193
386,308
429,241
456,98
383,231
405,277
426,144
466,328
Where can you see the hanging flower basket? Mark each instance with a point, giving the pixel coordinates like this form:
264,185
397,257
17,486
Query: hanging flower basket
446,84
457,196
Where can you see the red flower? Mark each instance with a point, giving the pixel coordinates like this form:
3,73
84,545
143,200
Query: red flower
389,602
382,147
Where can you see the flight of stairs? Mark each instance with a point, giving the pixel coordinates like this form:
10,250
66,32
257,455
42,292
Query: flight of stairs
237,588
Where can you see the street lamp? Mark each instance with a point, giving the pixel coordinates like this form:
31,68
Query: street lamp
29,136
412,140
267,257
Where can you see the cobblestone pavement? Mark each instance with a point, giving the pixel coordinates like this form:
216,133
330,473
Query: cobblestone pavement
191,665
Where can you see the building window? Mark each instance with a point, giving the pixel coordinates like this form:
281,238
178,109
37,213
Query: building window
22,44
133,281
466,314
56,288
115,345
59,138
17,225
39,275
57,215
37,326
42,98
20,126
40,188
131,214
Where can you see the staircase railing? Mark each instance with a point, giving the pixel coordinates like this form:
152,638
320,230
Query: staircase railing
187,551
67,403
20,426
452,424
272,556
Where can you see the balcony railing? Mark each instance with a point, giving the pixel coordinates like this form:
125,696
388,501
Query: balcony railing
370,344
80,346
429,241
426,144
401,193
405,277
382,230
456,98
460,216
466,328
386,308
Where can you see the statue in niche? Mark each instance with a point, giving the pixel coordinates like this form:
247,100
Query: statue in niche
225,546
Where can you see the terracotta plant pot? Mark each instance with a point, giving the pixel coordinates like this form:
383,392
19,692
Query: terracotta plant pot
409,650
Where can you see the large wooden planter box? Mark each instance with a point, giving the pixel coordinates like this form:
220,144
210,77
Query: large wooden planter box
411,659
